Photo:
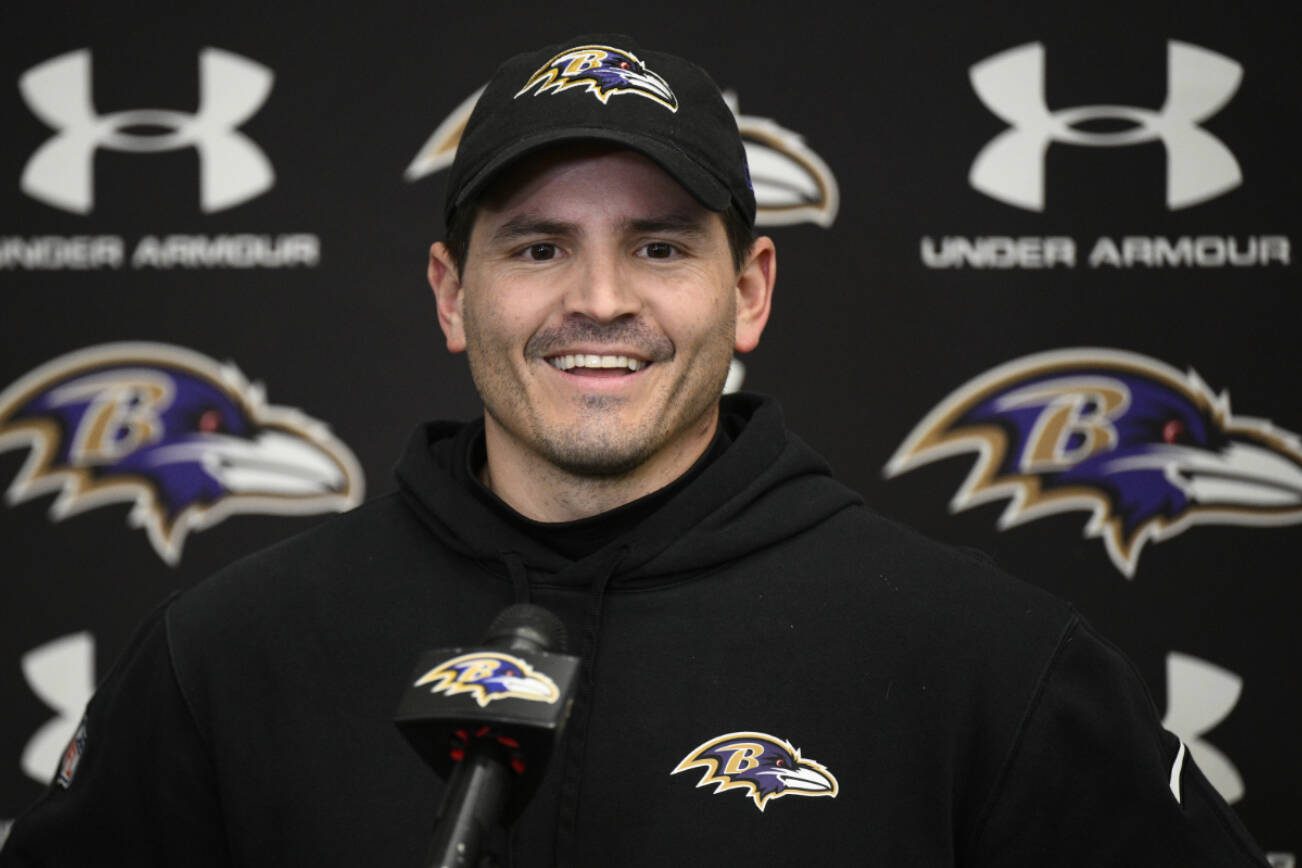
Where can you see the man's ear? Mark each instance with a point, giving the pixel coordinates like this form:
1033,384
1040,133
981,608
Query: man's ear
755,292
446,283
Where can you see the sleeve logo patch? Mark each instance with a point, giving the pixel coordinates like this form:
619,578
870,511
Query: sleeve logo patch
487,676
71,757
761,766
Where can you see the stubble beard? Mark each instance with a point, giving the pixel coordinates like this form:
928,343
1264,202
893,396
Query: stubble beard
596,444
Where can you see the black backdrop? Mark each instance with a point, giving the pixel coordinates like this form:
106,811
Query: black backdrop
313,285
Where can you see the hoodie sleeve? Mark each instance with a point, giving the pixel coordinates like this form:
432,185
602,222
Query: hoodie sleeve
135,786
1094,779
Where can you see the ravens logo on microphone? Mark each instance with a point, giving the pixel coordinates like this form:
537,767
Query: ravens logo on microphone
490,675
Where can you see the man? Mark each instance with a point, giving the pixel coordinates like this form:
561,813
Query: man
772,674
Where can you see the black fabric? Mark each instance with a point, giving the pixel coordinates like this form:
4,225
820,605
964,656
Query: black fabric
969,719
1090,704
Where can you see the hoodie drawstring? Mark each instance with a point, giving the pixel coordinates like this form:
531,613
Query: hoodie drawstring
576,731
519,579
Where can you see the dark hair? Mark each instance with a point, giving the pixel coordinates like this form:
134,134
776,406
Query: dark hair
741,235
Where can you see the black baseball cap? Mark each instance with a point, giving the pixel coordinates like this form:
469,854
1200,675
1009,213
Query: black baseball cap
603,87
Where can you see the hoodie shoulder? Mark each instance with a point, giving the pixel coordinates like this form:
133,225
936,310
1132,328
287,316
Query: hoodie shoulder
349,562
952,608
948,575
359,590
344,544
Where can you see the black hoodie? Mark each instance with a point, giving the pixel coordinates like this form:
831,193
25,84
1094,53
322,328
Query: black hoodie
774,675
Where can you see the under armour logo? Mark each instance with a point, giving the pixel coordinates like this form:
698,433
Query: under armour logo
1199,166
1199,695
232,168
62,673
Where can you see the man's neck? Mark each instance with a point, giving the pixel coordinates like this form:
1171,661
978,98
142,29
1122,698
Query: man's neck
539,490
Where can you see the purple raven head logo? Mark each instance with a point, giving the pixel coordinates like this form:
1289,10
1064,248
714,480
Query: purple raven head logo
1147,450
602,71
187,441
490,675
761,766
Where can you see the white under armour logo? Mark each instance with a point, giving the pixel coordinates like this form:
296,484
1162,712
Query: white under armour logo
1199,166
1199,695
232,168
62,673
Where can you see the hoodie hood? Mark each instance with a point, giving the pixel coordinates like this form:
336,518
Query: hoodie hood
740,503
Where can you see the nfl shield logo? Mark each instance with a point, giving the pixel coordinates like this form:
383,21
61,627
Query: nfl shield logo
71,757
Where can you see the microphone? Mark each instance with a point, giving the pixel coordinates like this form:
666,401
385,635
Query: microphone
487,718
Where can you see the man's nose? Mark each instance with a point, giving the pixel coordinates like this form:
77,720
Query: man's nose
602,289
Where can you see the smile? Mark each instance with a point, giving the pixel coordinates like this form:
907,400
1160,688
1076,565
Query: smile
587,361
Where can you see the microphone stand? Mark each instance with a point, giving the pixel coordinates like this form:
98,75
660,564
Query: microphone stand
476,795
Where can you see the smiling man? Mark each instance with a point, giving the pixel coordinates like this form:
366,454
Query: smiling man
772,674
600,305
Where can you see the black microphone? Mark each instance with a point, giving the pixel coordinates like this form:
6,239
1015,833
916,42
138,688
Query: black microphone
488,718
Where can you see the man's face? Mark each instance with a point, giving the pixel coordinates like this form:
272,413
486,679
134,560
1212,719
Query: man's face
598,305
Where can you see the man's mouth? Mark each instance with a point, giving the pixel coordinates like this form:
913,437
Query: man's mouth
594,365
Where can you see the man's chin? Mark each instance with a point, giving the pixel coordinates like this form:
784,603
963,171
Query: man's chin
597,460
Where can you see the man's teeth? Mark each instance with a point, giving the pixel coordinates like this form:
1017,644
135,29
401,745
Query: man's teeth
565,363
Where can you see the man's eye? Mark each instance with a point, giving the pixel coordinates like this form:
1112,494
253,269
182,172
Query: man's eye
659,250
540,252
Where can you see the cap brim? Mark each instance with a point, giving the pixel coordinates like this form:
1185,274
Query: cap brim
704,187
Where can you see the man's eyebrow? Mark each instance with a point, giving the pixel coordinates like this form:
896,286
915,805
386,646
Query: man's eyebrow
525,226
